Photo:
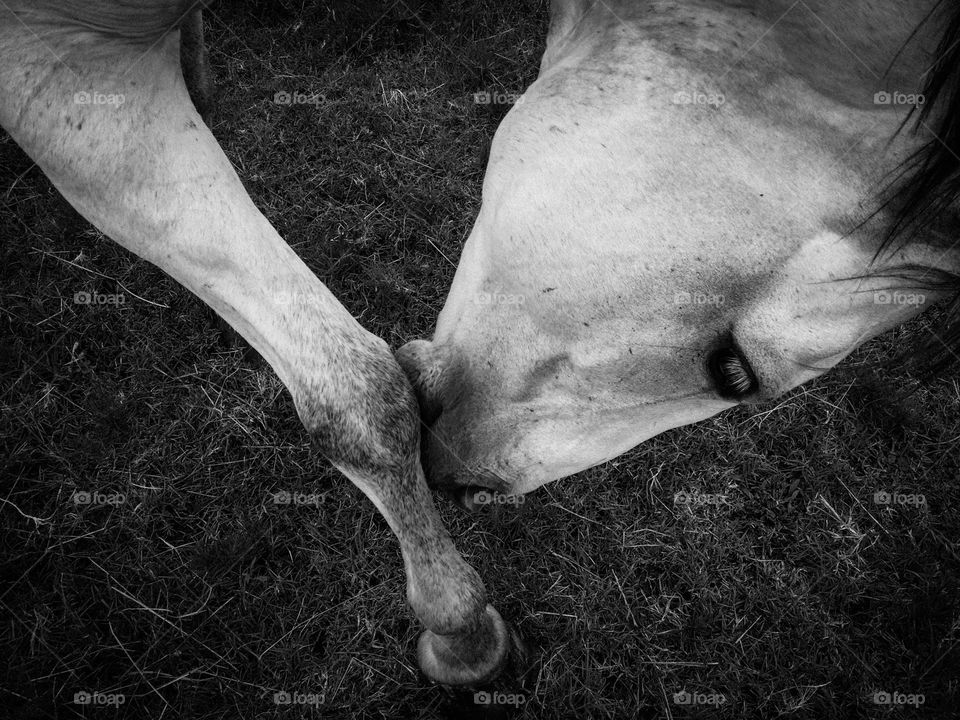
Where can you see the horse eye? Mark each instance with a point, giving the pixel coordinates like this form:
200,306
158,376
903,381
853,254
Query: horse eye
731,373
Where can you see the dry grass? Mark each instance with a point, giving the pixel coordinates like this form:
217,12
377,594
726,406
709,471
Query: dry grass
200,598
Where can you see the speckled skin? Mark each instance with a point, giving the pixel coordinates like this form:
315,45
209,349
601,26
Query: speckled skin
134,157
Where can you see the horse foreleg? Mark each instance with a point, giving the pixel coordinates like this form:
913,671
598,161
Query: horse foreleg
112,125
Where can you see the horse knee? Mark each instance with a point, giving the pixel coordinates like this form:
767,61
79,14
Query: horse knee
362,413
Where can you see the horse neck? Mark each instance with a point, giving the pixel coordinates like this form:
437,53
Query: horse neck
844,50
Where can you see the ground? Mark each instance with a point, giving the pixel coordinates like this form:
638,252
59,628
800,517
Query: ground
192,594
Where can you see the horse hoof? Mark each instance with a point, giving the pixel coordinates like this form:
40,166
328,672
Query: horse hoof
455,660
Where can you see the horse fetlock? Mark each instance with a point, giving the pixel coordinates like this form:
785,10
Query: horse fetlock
449,597
466,641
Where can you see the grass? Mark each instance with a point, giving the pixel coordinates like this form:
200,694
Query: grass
198,597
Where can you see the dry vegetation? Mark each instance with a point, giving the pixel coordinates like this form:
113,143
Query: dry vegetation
198,597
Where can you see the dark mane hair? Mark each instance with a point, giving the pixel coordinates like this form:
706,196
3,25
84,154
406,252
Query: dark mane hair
924,188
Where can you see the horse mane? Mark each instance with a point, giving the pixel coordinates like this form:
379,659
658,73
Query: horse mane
923,192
